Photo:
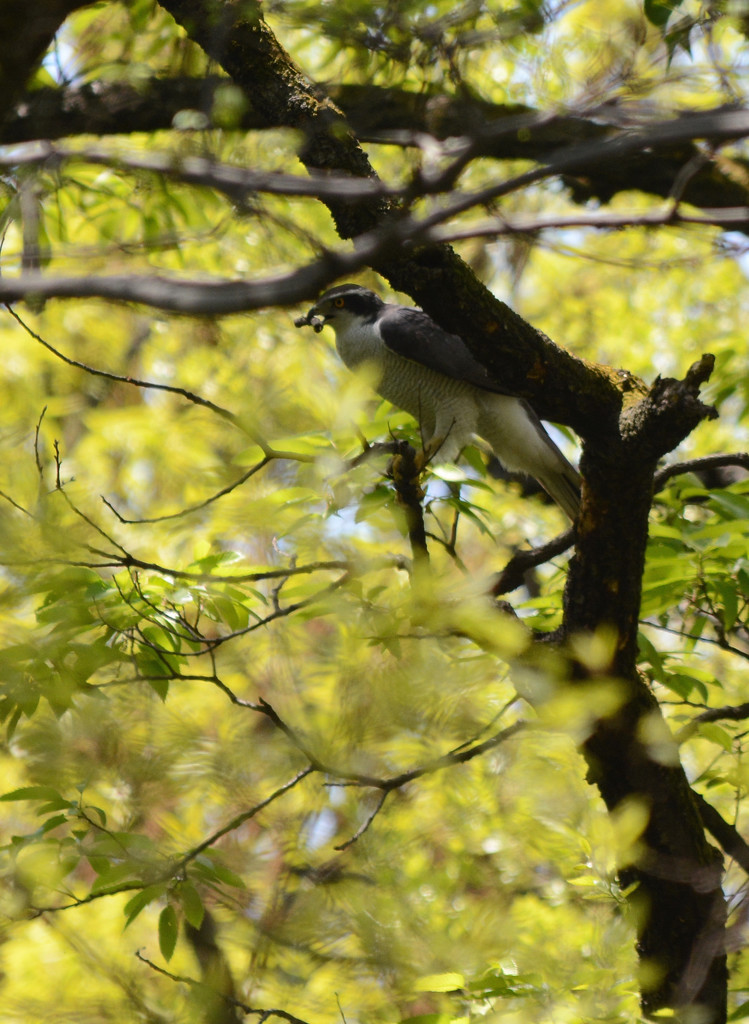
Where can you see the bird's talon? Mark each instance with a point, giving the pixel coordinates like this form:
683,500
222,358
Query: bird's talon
423,367
427,453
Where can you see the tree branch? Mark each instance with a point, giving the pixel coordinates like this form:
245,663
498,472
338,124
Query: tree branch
512,576
702,465
399,117
24,40
731,841
173,389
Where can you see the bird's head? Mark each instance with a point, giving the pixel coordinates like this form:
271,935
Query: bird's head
341,306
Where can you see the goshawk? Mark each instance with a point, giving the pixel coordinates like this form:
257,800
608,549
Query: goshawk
432,375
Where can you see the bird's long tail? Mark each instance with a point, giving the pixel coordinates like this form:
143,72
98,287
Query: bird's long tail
521,444
563,485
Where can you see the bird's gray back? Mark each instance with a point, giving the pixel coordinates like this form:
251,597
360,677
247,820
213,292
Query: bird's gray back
407,383
413,334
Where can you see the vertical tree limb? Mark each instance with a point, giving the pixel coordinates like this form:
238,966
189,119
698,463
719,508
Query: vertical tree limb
625,428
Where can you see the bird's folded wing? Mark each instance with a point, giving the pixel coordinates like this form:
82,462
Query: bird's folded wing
413,334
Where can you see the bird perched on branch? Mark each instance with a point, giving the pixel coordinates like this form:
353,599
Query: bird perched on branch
432,375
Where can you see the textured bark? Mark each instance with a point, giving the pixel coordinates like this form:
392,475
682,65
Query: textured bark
678,897
25,35
375,113
520,356
625,427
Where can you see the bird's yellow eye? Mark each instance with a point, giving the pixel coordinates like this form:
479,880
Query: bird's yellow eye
338,302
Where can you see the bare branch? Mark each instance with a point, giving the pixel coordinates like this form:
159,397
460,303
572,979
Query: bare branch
112,890
223,297
727,835
189,395
707,462
732,713
405,470
280,613
233,181
195,297
398,117
719,641
264,1014
731,218
459,756
15,504
37,456
512,575
239,820
237,183
201,505
366,823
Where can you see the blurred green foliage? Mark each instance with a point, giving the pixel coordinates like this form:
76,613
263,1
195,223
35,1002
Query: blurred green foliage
145,778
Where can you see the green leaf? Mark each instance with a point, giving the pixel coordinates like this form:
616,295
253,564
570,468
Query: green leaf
167,931
57,804
496,983
730,600
159,686
50,823
649,653
449,982
230,613
37,793
659,11
99,812
217,872
191,903
736,506
683,684
679,37
113,875
134,906
716,734
740,1013
161,638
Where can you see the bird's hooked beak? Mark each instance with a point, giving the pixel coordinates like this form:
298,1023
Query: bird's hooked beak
314,318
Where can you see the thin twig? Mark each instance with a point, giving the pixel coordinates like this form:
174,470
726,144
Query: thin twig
707,462
716,641
512,575
134,381
14,503
191,508
240,819
366,823
37,456
264,1014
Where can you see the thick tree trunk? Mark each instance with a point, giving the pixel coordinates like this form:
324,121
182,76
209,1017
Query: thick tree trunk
625,428
677,895
26,32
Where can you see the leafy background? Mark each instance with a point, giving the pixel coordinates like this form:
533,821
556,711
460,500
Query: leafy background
141,635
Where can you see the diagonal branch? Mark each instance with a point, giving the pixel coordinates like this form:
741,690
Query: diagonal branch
238,821
402,118
731,841
153,385
513,574
705,464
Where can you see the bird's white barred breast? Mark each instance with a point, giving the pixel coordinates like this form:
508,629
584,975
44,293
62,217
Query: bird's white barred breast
441,404
453,411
